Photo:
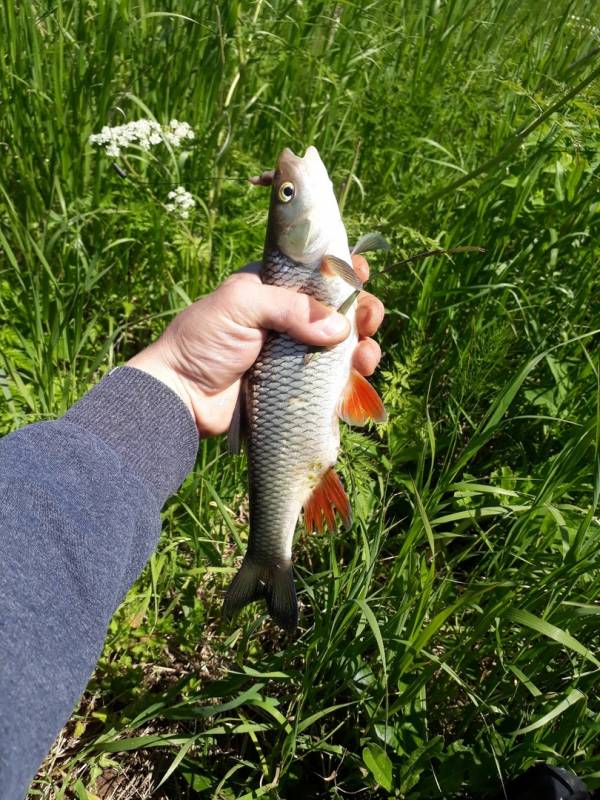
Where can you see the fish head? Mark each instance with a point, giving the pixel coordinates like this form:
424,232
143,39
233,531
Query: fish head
304,214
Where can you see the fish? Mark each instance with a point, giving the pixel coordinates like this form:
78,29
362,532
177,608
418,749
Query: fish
293,397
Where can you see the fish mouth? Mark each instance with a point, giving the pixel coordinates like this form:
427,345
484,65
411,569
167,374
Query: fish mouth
289,159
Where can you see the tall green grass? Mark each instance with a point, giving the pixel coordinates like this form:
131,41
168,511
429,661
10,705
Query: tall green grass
452,638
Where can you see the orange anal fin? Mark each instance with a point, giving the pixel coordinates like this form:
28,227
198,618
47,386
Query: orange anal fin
360,402
328,497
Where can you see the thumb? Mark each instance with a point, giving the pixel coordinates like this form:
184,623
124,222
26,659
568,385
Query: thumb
297,314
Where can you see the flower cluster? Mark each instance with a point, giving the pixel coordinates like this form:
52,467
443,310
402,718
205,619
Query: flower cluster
181,202
142,132
176,132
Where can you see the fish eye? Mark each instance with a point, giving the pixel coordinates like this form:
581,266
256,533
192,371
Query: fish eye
286,191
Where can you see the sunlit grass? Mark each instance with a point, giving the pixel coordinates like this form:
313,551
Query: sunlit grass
451,639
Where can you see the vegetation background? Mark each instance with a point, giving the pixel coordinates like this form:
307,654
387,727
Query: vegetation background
451,639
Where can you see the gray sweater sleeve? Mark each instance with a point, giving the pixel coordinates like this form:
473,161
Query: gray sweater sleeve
80,501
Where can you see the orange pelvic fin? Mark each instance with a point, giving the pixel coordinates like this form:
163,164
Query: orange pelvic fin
328,497
360,402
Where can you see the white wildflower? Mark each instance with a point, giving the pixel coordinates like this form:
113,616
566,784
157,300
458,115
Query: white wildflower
181,202
177,132
144,133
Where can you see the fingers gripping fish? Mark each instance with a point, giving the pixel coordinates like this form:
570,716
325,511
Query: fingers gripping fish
292,398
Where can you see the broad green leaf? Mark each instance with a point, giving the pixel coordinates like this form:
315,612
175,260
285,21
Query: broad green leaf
379,764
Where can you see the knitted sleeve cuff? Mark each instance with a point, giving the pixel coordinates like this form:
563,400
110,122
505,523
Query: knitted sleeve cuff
145,422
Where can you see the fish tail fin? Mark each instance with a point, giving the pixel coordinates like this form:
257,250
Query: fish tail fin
273,583
281,597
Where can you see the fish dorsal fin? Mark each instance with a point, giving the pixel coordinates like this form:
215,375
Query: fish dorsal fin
334,267
360,402
328,497
369,242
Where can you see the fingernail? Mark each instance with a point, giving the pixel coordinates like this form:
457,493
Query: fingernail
335,325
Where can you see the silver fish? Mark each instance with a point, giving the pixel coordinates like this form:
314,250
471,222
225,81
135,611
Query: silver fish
292,397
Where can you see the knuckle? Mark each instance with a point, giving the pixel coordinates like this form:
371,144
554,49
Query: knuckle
374,349
300,311
234,289
297,306
370,314
286,308
378,307
367,356
361,267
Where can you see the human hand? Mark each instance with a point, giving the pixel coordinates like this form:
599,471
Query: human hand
207,348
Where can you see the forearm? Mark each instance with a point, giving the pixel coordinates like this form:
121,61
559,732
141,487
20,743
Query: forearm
80,502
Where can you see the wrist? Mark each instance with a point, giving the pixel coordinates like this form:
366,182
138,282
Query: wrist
155,361
210,412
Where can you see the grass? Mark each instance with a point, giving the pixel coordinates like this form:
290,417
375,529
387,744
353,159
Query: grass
451,639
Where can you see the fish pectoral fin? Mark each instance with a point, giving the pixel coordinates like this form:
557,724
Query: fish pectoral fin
369,242
345,306
334,267
273,582
236,435
360,402
328,497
